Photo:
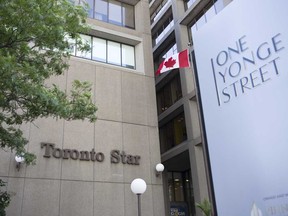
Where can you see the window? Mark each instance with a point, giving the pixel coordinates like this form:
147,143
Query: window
173,133
113,12
169,94
90,9
159,10
104,51
101,10
163,30
85,39
114,53
180,191
128,58
189,3
128,16
99,49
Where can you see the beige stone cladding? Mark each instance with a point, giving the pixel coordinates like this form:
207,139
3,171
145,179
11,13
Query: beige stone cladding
76,172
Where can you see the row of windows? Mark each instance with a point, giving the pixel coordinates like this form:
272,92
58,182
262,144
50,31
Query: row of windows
111,11
106,51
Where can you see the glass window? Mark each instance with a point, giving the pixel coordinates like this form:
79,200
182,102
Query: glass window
173,133
99,49
85,39
128,58
90,8
113,12
180,191
101,10
114,54
104,51
115,15
128,16
169,94
178,187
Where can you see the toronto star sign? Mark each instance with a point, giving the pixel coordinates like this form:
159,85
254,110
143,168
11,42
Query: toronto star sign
116,156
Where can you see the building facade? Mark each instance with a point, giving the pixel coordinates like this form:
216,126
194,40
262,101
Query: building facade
185,179
86,168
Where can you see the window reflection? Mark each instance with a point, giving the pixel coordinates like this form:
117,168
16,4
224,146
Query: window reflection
101,10
115,13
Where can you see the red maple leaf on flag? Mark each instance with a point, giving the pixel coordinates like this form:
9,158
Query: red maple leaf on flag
170,63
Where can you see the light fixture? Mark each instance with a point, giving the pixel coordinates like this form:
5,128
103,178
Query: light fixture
138,187
159,169
19,160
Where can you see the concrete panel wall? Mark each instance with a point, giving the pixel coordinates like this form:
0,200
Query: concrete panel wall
127,122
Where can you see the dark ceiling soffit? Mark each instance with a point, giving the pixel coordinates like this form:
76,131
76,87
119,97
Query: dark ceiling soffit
130,2
192,12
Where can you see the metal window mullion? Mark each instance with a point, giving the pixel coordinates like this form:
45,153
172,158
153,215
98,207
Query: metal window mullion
122,22
107,51
121,59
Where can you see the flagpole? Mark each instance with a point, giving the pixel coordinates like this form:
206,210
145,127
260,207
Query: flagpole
202,129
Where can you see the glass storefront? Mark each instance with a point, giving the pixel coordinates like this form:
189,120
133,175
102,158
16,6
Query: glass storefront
180,192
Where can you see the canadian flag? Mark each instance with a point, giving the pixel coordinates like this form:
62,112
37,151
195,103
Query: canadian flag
178,60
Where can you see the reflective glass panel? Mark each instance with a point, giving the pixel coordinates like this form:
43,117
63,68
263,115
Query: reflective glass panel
90,8
115,13
114,53
99,49
101,10
128,58
128,16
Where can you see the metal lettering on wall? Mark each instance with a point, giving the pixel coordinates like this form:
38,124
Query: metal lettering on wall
116,156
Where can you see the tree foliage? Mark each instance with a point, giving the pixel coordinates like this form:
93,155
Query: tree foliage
4,199
34,47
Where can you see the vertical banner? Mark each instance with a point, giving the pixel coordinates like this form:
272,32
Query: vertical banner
242,69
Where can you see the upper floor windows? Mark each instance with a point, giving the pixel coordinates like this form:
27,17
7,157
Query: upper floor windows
160,9
163,30
106,51
112,11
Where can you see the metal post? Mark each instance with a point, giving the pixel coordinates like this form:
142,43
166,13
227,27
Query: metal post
139,204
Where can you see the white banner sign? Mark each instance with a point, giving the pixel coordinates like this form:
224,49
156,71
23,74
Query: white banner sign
242,63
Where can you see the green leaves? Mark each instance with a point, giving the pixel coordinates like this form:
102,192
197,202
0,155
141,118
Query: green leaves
205,207
34,47
4,198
